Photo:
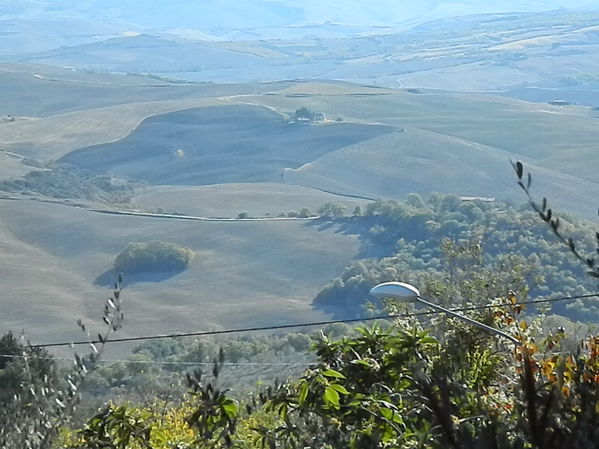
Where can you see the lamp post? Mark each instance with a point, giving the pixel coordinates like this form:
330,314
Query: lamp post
407,292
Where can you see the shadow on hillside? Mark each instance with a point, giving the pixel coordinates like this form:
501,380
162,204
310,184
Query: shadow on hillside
340,304
355,227
108,278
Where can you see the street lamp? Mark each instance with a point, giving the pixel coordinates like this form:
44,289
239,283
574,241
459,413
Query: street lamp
407,292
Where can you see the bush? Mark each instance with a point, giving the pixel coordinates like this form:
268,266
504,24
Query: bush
152,257
304,114
331,210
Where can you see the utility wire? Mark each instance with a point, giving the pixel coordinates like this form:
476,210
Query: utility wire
163,362
309,324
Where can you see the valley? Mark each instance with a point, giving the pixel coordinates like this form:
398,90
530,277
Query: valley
198,153
231,146
270,223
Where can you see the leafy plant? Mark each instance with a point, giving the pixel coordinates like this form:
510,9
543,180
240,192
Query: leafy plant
36,413
547,215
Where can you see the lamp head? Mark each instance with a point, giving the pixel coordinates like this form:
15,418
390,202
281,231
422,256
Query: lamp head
396,290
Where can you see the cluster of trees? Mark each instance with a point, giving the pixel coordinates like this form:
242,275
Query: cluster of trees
443,238
150,370
327,210
68,181
153,256
304,113
13,353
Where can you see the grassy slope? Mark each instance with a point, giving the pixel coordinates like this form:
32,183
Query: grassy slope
50,138
420,161
229,200
564,138
41,91
545,134
243,274
237,143
58,110
38,294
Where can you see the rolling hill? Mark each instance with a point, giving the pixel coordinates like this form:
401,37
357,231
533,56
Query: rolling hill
218,145
234,142
33,90
497,50
230,200
418,161
554,137
55,261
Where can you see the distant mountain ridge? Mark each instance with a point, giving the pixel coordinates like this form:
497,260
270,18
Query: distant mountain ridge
64,22
488,52
231,14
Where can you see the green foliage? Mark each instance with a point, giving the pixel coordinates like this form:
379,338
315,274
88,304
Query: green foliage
382,389
153,256
116,428
157,425
385,388
403,388
398,387
21,364
35,414
425,240
215,413
304,113
331,210
155,369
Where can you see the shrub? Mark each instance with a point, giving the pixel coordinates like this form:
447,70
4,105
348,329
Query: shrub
153,256
331,210
304,114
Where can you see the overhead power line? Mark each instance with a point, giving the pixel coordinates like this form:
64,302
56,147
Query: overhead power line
308,324
164,362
